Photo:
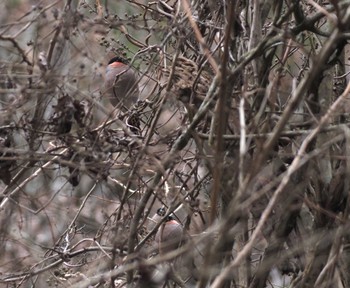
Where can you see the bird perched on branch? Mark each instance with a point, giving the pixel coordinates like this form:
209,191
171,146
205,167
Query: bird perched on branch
170,234
189,80
121,84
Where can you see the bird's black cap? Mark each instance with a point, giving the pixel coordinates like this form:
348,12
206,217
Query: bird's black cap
118,59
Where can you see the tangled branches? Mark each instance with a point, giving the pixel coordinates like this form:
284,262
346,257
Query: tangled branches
230,170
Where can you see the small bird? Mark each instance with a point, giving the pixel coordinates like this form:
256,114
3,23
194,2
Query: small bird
170,235
121,84
189,79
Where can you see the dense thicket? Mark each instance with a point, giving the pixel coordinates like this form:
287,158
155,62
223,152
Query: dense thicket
241,134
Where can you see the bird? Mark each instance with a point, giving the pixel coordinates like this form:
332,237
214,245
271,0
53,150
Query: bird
170,234
121,84
189,79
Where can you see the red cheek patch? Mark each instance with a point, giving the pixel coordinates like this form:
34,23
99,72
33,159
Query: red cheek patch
116,64
173,222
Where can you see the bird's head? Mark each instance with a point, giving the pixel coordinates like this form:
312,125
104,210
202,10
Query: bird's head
118,61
